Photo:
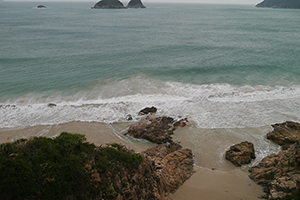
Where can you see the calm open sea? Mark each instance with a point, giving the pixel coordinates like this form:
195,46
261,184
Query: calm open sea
224,67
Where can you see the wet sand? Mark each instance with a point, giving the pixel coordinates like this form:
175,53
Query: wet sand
208,184
224,183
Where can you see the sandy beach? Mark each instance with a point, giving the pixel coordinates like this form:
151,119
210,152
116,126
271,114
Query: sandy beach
228,183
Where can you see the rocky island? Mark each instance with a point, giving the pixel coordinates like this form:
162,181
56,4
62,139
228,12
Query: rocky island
115,4
109,4
280,4
41,6
135,4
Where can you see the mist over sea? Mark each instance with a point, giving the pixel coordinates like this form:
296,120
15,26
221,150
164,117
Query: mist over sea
232,70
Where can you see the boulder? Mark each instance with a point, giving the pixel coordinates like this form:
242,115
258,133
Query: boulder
173,164
148,110
158,130
135,4
109,4
240,154
285,133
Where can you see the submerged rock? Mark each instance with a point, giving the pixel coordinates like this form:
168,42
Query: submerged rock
109,4
51,104
158,130
240,154
135,4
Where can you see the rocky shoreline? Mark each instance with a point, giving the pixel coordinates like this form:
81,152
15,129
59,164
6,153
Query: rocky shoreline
279,174
109,171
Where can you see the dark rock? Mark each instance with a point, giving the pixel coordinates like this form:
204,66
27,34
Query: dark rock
41,6
8,106
173,164
285,133
128,117
240,154
158,130
135,4
51,105
148,110
280,4
109,4
279,174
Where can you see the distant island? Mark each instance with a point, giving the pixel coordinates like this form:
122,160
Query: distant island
280,4
135,4
115,4
41,6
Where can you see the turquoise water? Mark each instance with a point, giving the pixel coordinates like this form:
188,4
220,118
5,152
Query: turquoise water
219,65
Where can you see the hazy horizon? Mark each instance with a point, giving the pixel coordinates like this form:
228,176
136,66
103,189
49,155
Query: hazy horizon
253,2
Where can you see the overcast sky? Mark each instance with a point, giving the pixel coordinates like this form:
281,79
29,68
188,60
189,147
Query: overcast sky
252,2
209,1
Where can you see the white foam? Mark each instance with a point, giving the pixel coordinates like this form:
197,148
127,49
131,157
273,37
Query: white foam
209,106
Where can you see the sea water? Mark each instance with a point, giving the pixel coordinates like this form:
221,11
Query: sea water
232,70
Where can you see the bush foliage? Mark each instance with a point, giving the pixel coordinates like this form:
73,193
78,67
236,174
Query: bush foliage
61,168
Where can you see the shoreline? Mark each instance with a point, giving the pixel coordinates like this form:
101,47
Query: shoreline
222,183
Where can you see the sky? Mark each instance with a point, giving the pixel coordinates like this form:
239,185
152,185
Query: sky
209,1
251,2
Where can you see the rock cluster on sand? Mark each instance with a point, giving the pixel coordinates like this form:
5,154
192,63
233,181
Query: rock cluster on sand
171,165
279,174
158,129
240,154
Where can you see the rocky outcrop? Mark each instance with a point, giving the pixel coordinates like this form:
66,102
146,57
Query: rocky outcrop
135,4
240,154
280,4
141,183
148,110
279,174
173,164
158,130
109,4
285,134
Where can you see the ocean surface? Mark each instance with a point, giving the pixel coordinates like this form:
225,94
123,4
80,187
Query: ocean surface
232,70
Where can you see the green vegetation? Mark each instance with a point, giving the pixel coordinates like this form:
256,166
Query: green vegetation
66,167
